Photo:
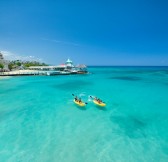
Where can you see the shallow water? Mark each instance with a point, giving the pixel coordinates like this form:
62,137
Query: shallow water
39,121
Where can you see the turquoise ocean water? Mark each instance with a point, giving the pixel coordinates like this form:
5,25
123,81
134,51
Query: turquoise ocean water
40,123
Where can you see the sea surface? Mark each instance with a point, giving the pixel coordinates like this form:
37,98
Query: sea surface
39,121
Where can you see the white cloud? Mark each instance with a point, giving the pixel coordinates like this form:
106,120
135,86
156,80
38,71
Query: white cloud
60,42
12,56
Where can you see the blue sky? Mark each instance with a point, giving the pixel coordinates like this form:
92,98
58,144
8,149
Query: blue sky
93,32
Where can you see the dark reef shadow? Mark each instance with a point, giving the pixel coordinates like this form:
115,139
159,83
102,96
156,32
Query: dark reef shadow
72,85
131,126
127,78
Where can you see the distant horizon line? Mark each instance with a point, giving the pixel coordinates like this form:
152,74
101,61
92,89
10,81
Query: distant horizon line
127,65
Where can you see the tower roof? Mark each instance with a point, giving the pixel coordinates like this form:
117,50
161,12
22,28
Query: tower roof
68,61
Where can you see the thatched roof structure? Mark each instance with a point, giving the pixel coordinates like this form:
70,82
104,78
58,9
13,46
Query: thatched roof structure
81,66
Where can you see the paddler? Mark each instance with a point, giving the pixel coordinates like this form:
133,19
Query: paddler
98,100
79,100
76,98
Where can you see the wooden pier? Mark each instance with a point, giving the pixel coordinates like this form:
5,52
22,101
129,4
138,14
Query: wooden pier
38,72
32,72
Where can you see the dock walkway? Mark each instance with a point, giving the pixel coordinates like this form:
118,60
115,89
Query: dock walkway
32,72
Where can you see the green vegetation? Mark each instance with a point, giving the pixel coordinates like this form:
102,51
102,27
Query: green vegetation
33,63
1,66
10,66
24,64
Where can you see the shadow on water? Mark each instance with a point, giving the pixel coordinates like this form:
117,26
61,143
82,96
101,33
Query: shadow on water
81,108
72,85
131,126
128,78
101,108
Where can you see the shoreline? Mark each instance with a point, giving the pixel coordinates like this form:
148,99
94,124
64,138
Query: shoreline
38,72
5,77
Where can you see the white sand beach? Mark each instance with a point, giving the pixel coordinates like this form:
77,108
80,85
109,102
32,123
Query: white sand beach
17,72
5,77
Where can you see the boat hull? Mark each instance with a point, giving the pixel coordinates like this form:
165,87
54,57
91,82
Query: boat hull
99,104
82,104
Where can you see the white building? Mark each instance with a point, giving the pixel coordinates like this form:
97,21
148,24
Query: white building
69,64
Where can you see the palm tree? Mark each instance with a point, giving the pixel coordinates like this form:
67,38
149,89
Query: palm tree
1,66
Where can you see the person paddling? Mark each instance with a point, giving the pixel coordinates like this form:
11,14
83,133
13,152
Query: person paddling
97,99
76,98
79,100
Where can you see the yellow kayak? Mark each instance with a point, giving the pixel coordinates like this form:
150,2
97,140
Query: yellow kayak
99,104
80,104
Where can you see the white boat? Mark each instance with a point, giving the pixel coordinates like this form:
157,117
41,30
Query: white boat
64,73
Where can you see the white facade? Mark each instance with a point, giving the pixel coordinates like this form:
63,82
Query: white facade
69,63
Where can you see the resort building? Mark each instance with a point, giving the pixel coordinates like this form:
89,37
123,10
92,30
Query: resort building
69,64
63,69
68,67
